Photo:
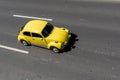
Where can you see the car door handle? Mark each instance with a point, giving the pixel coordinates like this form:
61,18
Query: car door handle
33,38
42,39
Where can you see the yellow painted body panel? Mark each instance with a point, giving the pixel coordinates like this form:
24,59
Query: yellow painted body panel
35,26
57,38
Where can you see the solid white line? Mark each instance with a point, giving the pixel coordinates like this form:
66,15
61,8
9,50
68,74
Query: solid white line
31,17
14,49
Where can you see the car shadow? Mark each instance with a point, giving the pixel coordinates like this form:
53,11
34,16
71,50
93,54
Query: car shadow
71,43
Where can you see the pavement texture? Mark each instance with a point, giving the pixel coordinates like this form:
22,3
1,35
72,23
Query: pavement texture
94,53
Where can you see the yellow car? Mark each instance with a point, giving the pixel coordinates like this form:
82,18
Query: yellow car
42,33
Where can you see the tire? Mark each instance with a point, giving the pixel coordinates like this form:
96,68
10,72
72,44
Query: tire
54,49
25,43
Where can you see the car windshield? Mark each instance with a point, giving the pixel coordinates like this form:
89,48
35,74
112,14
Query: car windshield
47,30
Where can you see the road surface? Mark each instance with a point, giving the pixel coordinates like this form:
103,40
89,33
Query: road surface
93,55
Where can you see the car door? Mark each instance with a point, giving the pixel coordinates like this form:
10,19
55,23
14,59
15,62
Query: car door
37,39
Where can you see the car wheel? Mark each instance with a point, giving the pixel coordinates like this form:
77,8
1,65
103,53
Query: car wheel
54,49
24,43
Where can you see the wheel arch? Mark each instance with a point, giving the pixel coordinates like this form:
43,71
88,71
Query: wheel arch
53,44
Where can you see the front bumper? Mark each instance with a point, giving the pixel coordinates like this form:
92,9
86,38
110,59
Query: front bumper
63,45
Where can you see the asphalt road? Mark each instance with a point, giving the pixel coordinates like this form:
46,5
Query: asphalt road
93,55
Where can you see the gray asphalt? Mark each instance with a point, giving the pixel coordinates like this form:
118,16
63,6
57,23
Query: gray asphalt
95,54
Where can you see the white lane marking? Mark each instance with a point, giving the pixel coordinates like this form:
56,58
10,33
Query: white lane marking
14,49
31,17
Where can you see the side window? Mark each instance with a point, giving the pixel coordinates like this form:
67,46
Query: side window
36,35
26,33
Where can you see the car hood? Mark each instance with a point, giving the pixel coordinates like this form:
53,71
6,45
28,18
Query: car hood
58,34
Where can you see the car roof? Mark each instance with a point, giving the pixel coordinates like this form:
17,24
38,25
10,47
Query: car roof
35,26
